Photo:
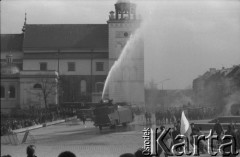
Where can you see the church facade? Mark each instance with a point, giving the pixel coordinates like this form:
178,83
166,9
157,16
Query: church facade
73,59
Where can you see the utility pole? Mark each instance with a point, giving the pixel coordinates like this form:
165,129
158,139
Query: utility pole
58,96
58,59
91,75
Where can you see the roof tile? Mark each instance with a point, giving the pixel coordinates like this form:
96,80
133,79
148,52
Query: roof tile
66,36
11,42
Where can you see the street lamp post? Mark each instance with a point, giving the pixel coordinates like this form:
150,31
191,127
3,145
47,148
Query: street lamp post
58,70
163,82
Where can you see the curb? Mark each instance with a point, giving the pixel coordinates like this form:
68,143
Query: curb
44,125
13,138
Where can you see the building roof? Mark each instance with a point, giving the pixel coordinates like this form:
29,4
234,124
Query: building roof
123,1
233,71
11,42
54,36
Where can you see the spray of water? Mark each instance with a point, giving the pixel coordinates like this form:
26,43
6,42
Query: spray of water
128,53
126,60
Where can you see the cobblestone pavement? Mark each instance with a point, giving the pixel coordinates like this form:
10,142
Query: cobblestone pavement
83,140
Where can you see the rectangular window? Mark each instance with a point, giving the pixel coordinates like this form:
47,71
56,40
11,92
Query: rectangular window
43,66
71,66
99,66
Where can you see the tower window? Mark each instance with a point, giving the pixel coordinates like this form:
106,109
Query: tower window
99,66
12,92
43,66
71,66
2,92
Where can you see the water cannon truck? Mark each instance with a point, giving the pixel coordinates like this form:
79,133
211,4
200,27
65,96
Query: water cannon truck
109,114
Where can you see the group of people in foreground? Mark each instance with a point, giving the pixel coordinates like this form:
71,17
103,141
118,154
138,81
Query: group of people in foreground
31,150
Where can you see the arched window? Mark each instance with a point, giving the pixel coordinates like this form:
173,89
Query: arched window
83,87
12,92
37,86
2,92
99,87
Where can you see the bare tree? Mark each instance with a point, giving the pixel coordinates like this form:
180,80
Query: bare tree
49,87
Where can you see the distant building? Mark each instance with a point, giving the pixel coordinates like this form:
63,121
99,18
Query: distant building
75,56
215,86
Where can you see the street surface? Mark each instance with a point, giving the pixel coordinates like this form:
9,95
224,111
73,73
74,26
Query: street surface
83,140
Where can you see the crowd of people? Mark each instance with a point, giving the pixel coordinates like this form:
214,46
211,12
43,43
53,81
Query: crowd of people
171,115
33,117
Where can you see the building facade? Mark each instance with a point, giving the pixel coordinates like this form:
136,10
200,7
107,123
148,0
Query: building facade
218,87
127,82
76,57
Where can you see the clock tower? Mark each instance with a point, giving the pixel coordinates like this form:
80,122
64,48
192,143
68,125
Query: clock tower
128,84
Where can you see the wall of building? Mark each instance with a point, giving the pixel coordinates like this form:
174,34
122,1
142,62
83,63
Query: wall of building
82,66
73,89
127,84
31,96
8,103
218,87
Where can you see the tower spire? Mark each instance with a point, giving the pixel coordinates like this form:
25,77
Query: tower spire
25,23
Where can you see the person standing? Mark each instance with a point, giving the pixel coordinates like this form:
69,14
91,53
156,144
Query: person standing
149,118
83,118
67,154
166,140
231,132
31,151
146,117
219,130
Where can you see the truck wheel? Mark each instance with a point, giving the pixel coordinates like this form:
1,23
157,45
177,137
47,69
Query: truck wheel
100,127
124,124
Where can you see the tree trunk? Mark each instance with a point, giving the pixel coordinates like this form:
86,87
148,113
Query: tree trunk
45,102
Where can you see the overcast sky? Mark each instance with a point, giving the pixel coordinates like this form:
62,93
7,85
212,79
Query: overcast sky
183,38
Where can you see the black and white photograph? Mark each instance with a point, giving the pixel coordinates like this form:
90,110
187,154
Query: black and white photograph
120,78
